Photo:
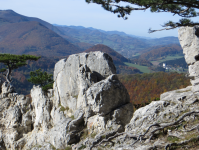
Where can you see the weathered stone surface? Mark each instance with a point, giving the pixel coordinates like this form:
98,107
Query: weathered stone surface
189,40
87,96
66,73
167,109
193,70
115,121
106,95
6,88
172,106
42,108
15,120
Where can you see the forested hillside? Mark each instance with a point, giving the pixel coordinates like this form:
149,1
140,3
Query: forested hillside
117,58
33,38
153,53
21,34
176,63
144,88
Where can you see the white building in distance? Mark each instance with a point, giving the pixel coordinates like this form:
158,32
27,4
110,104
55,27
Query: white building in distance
164,65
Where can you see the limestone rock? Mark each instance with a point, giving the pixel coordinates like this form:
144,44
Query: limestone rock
66,74
42,108
15,119
106,95
6,88
87,96
166,109
92,88
171,106
189,40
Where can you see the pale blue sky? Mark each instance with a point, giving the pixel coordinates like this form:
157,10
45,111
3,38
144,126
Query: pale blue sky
79,13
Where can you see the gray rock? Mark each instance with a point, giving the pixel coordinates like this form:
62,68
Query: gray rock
6,88
66,74
87,96
188,37
106,95
42,108
193,70
170,106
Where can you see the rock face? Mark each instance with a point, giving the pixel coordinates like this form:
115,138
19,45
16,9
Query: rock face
15,120
6,88
87,101
189,40
79,72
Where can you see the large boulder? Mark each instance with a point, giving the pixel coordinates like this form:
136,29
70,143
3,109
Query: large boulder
73,76
88,91
87,82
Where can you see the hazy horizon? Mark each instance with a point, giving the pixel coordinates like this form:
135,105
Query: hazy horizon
79,13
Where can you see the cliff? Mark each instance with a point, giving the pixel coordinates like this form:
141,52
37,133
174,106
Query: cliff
89,108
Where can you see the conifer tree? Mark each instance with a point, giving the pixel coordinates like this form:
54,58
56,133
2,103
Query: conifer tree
183,8
12,61
41,78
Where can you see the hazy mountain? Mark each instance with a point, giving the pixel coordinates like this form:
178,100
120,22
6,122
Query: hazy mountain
121,42
26,35
21,34
14,17
107,32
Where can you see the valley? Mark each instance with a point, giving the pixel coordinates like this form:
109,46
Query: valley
131,54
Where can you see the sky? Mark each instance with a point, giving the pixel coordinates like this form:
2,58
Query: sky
79,13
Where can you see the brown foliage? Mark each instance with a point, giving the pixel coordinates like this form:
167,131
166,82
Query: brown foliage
144,88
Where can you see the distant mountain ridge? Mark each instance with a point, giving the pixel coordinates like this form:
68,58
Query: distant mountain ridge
26,35
14,17
107,32
42,38
121,42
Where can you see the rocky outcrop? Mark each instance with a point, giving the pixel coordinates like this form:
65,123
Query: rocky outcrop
90,109
188,37
189,40
87,101
15,120
74,75
86,83
156,125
